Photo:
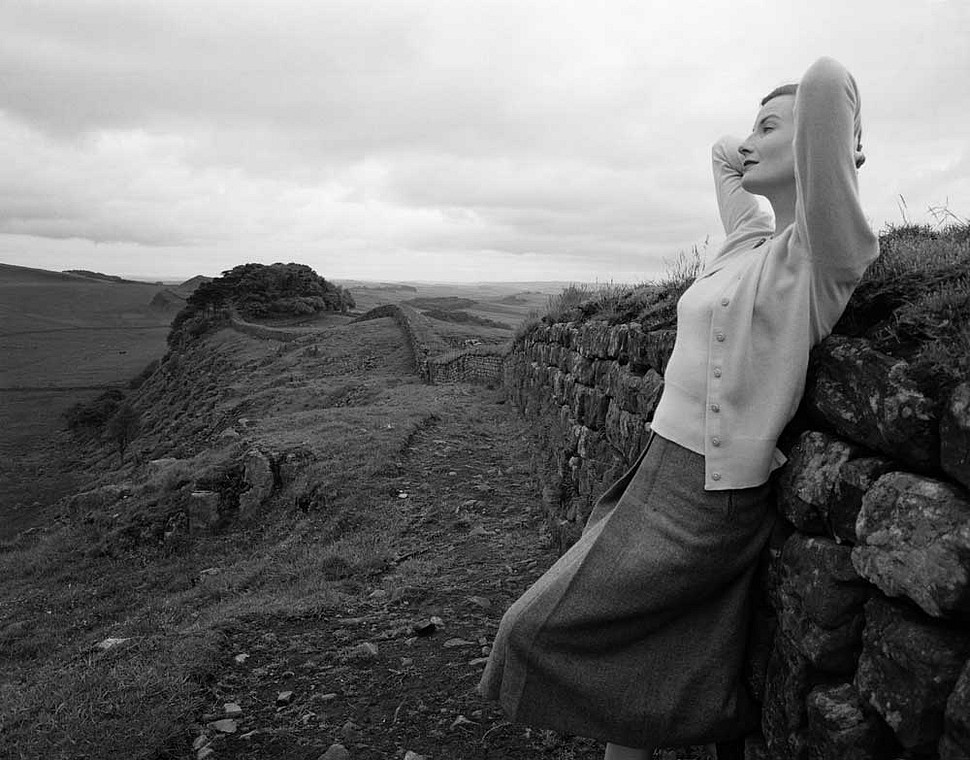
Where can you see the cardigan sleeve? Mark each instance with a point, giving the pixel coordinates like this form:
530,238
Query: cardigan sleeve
739,209
829,223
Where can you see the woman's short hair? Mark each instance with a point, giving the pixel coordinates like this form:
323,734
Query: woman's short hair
785,89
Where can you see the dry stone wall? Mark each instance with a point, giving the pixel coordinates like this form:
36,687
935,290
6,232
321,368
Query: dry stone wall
482,365
264,332
435,362
421,338
864,650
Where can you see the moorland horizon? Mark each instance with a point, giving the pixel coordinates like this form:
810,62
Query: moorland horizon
174,279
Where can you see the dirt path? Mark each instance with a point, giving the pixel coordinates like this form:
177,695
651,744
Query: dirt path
380,677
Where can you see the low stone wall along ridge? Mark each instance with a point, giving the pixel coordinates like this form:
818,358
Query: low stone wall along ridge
861,647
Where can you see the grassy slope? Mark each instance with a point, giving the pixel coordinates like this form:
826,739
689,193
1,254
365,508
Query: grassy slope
66,332
352,407
384,479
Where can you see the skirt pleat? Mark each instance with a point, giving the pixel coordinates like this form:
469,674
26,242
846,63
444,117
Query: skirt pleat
637,634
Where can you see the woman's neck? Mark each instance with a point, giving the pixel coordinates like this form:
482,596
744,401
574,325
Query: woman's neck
783,206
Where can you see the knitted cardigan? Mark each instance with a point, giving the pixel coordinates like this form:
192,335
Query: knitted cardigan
747,324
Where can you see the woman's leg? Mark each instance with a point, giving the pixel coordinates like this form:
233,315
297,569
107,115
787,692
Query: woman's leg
619,752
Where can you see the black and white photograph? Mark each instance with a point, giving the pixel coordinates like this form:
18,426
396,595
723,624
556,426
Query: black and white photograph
484,380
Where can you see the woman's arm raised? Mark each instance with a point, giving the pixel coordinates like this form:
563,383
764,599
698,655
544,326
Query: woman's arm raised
739,209
829,221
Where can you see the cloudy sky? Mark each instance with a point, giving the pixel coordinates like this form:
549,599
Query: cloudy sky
445,140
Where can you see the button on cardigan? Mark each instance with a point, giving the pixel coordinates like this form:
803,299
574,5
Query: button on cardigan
747,324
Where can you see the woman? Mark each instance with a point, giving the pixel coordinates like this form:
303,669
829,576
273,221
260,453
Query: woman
636,635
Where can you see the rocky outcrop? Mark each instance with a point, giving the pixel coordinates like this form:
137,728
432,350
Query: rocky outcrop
841,726
908,669
810,497
914,541
872,399
258,476
821,597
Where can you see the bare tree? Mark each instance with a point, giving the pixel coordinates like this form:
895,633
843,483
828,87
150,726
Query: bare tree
123,428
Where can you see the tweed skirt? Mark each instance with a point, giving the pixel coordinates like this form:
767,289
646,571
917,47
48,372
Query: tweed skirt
637,634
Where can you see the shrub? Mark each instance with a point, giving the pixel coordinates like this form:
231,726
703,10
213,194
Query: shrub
914,301
654,304
92,416
257,290
123,427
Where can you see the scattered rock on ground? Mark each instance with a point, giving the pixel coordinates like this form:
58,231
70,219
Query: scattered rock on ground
336,752
284,698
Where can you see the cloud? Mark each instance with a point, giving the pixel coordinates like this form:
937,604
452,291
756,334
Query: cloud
428,128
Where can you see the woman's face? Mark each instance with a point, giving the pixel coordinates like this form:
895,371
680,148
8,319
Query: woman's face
768,155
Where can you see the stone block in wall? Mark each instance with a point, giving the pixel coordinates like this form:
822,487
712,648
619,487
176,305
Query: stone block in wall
648,394
566,418
603,375
557,381
590,406
807,491
914,541
617,349
549,355
638,347
854,479
571,441
561,357
593,340
624,387
955,744
568,387
586,442
538,353
784,719
843,727
650,350
626,432
599,408
581,368
909,666
579,400
821,600
872,399
559,333
602,368
955,435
